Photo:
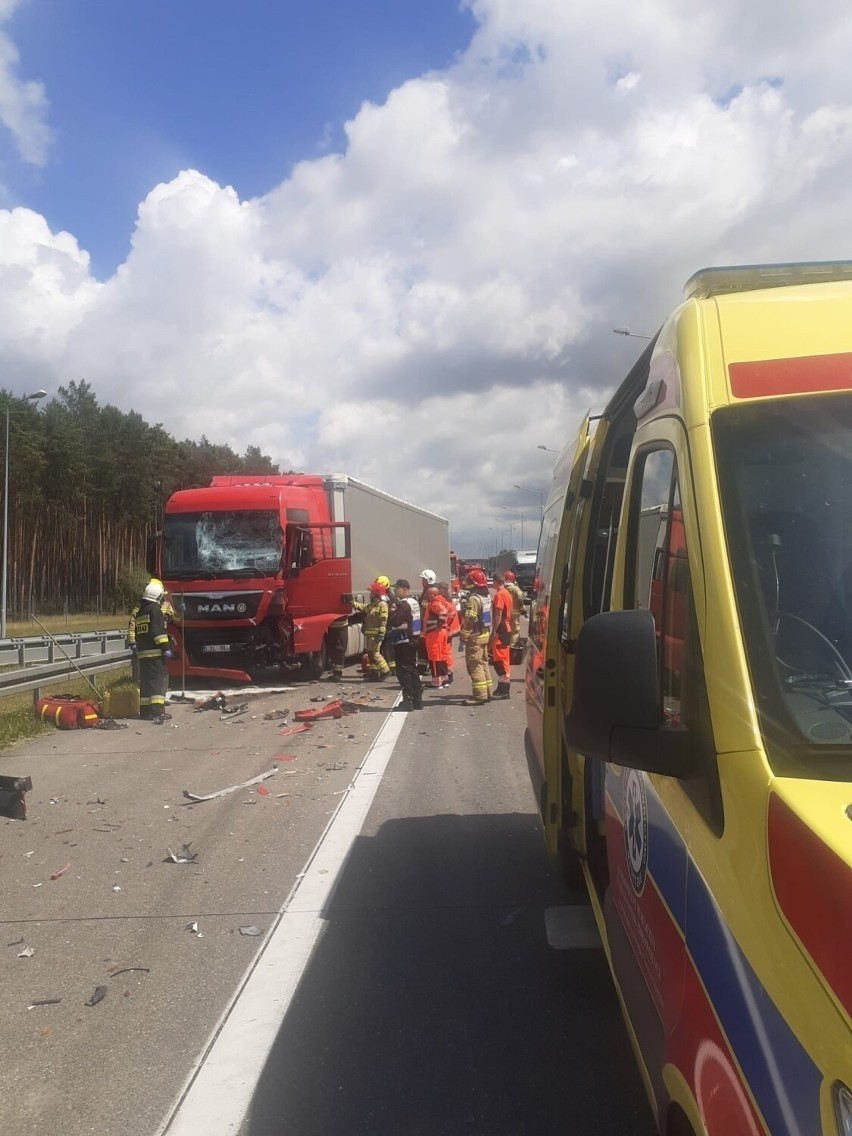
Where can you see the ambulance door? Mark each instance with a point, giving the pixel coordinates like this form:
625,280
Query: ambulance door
543,675
645,902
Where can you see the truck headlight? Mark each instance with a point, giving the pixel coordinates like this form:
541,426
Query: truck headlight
843,1108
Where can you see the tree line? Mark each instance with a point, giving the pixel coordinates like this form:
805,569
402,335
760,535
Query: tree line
87,484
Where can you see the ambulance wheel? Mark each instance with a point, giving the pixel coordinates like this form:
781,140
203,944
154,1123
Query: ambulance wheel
315,665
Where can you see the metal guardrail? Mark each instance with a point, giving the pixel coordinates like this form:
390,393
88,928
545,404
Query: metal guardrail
34,678
25,650
92,651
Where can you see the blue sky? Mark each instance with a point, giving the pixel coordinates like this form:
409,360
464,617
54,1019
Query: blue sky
241,89
425,298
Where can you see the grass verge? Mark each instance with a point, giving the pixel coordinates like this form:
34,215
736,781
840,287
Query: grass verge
17,720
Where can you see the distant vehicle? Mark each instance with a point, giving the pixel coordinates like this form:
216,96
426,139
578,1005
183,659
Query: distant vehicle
260,563
523,563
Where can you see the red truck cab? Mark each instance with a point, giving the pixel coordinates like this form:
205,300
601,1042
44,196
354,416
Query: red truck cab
258,565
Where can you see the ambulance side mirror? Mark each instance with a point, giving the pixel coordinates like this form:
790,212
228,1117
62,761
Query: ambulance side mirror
616,707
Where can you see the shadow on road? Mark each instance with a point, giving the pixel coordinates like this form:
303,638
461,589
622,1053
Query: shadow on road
433,1006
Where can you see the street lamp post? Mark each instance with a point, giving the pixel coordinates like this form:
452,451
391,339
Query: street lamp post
548,449
32,398
524,489
632,334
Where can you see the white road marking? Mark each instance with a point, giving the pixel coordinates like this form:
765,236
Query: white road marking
571,928
218,1091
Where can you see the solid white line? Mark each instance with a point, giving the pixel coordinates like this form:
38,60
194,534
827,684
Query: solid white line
218,1092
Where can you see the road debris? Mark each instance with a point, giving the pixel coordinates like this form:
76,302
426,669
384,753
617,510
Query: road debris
275,715
262,791
26,952
12,802
115,887
229,711
128,970
111,724
44,1002
251,931
60,871
214,702
17,943
98,996
294,730
192,927
336,709
185,856
231,789
286,757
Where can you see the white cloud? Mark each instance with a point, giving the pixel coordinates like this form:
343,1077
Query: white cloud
426,308
23,103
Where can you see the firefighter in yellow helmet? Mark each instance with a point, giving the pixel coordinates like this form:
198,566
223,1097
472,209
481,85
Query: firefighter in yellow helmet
153,649
169,613
386,647
375,628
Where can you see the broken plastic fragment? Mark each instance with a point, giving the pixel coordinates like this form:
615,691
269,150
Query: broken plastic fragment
230,789
185,856
251,930
44,1002
26,952
262,791
60,871
98,996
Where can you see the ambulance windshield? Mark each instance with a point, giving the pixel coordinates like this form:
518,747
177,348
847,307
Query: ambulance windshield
785,470
229,543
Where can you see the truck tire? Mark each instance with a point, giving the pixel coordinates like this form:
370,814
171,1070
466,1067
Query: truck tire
315,665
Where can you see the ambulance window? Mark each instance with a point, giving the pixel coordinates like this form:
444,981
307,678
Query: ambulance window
659,567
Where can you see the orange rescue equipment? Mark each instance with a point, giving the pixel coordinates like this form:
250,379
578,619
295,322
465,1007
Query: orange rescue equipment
67,712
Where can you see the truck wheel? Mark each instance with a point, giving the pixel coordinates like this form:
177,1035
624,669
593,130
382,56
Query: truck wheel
315,665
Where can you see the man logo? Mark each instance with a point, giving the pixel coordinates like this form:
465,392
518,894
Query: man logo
634,813
241,607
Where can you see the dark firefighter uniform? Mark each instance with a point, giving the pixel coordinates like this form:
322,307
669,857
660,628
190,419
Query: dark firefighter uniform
404,634
152,642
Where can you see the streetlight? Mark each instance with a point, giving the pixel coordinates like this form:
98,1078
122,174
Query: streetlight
627,331
511,527
549,450
524,489
31,398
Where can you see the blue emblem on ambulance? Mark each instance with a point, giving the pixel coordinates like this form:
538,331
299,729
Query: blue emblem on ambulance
634,813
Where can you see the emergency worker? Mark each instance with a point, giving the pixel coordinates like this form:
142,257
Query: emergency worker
386,647
170,615
152,649
375,627
435,619
475,633
453,629
404,634
501,607
518,606
428,580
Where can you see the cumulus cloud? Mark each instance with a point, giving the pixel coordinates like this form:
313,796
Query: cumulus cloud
23,103
427,307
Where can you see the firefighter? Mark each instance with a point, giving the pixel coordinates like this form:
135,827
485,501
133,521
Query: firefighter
386,647
453,628
375,627
170,615
404,634
475,633
152,649
435,619
518,606
428,580
501,606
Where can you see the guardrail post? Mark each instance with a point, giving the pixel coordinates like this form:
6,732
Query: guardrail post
22,653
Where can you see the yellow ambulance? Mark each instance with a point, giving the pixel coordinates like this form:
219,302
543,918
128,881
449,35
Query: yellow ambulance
689,699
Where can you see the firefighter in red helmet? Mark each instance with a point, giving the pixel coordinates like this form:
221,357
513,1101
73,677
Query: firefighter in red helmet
475,633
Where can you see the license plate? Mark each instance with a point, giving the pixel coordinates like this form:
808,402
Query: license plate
210,648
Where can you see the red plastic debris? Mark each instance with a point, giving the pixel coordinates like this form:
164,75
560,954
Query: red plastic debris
285,757
295,729
330,710
262,791
60,871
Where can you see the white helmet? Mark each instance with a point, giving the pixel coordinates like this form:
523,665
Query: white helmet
429,576
154,590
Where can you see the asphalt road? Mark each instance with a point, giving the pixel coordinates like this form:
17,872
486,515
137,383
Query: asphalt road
432,1003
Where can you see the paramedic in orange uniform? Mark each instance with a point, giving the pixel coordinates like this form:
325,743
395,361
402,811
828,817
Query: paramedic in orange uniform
453,629
435,617
501,608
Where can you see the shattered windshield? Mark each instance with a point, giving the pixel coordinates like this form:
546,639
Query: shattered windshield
785,470
207,545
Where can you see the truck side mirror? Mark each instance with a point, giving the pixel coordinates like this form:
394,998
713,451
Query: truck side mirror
615,710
